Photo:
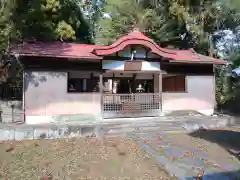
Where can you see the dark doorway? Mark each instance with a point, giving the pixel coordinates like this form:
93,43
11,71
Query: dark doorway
124,86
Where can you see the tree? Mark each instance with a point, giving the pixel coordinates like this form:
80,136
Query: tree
190,22
40,20
7,34
92,10
51,20
202,18
128,14
7,31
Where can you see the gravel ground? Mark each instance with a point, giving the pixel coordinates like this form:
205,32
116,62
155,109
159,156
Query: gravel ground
112,158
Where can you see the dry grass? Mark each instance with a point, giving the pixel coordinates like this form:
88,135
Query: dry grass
77,159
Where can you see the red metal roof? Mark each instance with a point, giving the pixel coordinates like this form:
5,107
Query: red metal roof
94,52
56,49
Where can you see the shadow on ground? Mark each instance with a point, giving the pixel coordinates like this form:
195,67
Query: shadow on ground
232,175
228,139
231,108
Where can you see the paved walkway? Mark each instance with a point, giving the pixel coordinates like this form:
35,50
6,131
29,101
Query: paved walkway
186,162
108,128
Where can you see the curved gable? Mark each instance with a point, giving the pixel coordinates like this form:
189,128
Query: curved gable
134,38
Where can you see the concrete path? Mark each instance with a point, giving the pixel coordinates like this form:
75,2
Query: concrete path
112,127
100,129
187,162
183,124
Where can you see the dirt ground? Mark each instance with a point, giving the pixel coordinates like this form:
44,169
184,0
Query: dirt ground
215,143
77,159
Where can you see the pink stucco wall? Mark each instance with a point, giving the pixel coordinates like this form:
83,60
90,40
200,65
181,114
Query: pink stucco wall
46,95
200,95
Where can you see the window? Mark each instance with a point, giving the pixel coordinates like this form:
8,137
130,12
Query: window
174,83
88,84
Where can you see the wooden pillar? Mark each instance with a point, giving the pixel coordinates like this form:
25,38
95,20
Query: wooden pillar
160,91
101,92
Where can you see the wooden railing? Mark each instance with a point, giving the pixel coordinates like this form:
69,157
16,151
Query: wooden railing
131,105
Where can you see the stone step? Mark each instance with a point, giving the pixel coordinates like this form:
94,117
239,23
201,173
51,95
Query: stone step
142,130
141,127
121,121
163,127
116,134
162,124
162,120
138,125
160,129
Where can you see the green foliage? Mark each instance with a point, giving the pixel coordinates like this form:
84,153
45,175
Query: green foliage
203,17
235,57
129,14
228,89
51,20
42,20
223,85
93,12
7,31
169,20
65,31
